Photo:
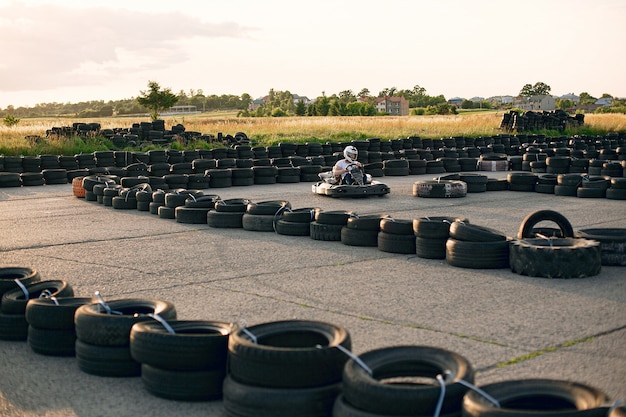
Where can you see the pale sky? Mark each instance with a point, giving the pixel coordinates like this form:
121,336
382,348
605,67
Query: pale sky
79,50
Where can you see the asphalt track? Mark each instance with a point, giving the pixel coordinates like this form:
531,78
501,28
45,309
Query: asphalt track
507,325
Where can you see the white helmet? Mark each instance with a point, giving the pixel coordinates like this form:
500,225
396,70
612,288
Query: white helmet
350,153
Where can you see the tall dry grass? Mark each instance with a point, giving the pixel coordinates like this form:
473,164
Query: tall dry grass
268,131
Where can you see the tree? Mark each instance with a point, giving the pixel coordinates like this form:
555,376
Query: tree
300,108
10,120
539,89
156,100
586,98
365,92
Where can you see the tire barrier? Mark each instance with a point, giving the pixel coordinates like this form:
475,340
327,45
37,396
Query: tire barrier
431,235
103,334
327,225
361,230
296,359
364,387
51,328
396,236
290,367
535,397
185,361
476,247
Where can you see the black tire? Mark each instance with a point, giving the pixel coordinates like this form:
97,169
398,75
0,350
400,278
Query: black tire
94,326
569,180
13,327
45,313
582,192
288,354
143,206
195,345
477,255
565,190
376,395
24,275
284,227
257,222
268,207
536,398
616,194
327,232
191,215
165,212
392,243
14,301
474,233
198,385
204,201
440,189
231,220
359,237
301,215
334,217
52,342
429,248
232,205
612,244
111,361
544,188
437,227
124,203
365,223
396,226
531,220
556,258
242,400
497,184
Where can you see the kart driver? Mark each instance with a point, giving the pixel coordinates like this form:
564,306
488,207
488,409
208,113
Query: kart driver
343,167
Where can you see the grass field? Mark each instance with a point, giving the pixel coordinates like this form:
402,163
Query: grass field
269,131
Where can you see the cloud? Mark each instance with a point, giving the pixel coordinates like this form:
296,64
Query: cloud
50,46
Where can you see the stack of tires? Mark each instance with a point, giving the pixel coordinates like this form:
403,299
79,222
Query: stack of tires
14,326
51,328
174,199
228,213
361,230
540,253
476,247
295,222
617,190
181,360
261,216
328,224
103,334
195,208
431,236
396,236
13,322
366,391
285,368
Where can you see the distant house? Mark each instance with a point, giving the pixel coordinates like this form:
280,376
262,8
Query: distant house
396,106
535,103
571,97
499,100
604,101
477,99
456,101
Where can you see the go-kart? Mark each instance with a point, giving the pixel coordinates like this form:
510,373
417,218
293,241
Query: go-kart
362,185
